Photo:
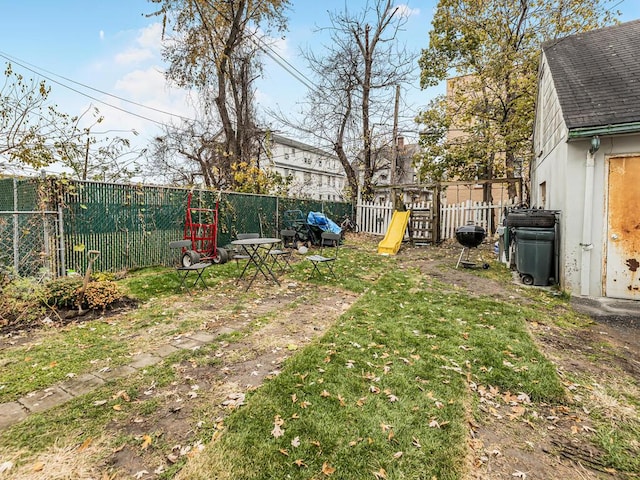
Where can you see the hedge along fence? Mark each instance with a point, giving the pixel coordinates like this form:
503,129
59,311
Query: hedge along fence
132,225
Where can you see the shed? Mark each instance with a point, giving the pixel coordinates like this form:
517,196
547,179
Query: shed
587,157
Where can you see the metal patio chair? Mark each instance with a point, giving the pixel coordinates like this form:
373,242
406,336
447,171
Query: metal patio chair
184,271
281,257
328,240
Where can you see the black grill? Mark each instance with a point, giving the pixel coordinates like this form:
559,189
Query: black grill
470,236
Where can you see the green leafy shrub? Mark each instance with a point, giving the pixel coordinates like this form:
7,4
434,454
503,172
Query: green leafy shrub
20,303
24,289
101,294
63,292
102,276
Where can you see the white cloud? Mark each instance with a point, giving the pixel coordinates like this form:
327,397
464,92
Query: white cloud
150,36
142,83
133,56
280,46
101,34
147,46
406,11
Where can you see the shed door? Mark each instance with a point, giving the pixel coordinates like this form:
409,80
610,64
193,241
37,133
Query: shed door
623,243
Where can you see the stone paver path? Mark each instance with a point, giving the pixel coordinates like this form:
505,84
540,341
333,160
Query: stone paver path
42,400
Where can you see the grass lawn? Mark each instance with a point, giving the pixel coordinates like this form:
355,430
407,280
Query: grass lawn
390,389
386,392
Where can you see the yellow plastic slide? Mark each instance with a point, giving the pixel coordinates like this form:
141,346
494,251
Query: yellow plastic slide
395,233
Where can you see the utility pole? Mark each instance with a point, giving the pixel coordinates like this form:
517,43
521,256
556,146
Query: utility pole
394,152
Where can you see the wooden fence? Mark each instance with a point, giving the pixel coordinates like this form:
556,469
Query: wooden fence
375,218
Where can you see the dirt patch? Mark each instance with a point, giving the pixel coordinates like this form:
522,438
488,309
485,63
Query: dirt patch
194,405
15,329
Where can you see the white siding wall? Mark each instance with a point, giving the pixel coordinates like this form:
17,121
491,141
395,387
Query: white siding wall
561,166
316,174
550,129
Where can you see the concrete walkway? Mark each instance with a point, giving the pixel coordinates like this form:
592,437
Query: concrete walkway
621,313
42,400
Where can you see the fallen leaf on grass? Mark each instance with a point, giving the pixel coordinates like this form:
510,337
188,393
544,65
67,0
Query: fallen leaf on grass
327,469
415,442
325,394
117,407
6,466
146,441
277,431
380,474
284,452
234,400
300,463
123,395
37,467
85,444
140,474
397,455
516,412
295,442
519,474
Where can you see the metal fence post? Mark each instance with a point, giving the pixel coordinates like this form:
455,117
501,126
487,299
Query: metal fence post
61,246
16,230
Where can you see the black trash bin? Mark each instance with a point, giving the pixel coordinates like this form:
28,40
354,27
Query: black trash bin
534,255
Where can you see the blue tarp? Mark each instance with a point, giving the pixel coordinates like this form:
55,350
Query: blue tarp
321,221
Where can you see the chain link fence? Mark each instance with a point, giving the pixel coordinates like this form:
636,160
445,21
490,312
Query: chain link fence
48,225
29,231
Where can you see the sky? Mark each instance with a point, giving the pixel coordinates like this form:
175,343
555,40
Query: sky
106,54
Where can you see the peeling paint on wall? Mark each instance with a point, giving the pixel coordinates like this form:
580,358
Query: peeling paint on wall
623,240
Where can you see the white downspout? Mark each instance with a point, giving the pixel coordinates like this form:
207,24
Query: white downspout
587,222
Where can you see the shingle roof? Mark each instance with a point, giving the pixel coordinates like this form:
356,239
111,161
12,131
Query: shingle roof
597,75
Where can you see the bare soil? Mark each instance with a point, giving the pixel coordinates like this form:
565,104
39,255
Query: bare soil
503,444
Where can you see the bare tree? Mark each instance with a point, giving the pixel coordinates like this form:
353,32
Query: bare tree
97,154
216,51
187,150
34,133
362,62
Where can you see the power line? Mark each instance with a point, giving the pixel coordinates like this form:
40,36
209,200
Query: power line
22,64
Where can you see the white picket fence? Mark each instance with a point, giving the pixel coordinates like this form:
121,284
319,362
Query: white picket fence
375,218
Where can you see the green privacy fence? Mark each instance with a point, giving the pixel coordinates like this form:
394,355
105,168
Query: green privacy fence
50,224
